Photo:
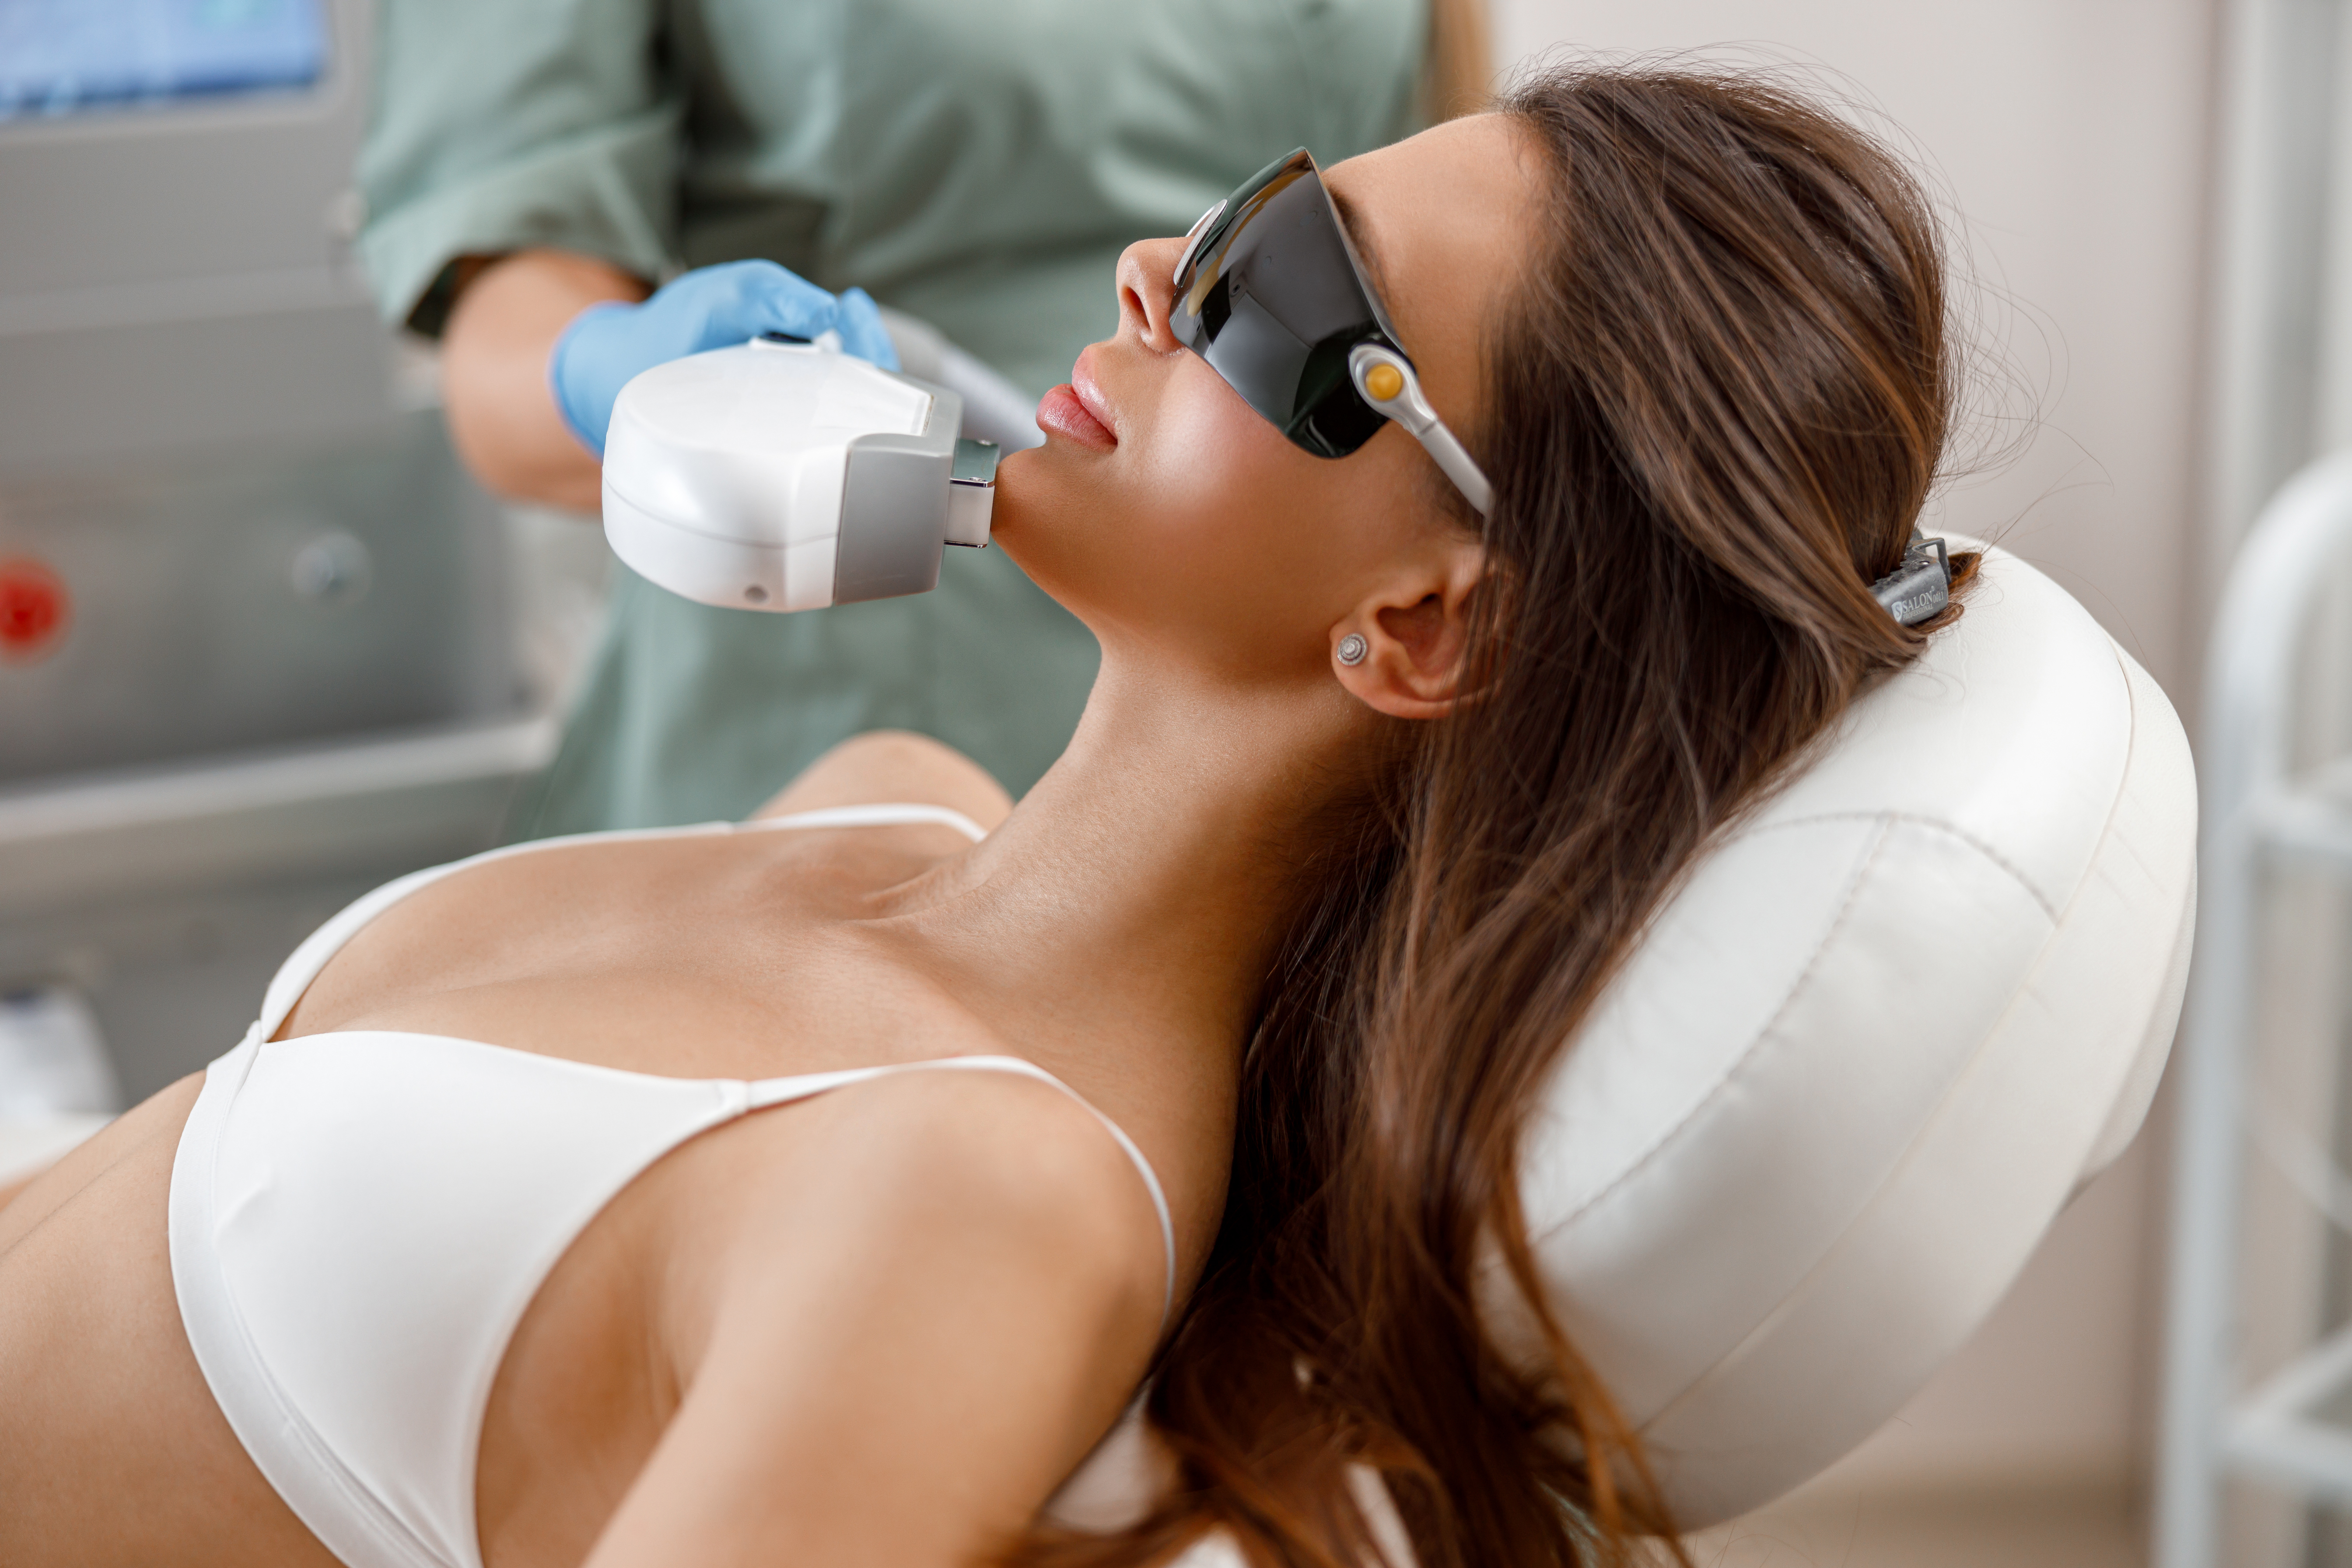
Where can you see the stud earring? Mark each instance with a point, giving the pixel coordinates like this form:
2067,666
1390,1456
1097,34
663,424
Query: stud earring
1352,650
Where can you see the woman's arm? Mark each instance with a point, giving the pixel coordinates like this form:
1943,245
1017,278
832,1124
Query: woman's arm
501,410
893,765
907,1357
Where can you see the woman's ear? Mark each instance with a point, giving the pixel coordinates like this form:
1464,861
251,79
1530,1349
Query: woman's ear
1401,651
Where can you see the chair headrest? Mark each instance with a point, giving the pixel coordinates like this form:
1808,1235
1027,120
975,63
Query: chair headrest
1871,1046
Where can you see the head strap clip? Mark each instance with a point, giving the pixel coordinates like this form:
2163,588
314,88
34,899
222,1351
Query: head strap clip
1921,584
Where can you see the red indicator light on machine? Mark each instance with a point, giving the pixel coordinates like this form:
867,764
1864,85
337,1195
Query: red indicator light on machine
34,610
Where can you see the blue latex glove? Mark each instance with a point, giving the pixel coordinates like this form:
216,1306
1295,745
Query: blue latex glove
709,308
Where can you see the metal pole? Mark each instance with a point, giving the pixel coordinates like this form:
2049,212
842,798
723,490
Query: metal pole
2207,1171
2249,705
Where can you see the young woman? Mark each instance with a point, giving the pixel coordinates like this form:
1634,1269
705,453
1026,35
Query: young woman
819,1192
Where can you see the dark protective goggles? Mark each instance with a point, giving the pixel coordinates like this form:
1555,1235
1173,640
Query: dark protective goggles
1270,293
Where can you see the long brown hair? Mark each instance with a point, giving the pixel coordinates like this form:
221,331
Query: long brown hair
1719,400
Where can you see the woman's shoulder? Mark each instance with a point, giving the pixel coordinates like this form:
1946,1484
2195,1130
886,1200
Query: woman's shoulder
942,1274
970,1148
954,1186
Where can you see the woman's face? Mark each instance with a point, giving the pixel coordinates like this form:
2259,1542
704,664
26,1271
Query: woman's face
1171,518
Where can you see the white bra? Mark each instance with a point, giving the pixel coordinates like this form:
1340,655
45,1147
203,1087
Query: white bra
360,1218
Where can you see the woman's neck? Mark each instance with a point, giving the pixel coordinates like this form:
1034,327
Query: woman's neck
1140,888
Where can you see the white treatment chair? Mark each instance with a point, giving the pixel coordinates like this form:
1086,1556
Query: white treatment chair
1883,1034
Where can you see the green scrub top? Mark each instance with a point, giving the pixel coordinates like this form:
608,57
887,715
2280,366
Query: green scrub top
980,164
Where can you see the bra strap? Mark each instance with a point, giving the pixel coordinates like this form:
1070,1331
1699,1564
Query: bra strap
893,815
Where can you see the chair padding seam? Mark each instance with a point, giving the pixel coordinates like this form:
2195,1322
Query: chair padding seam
1800,1289
1938,825
1731,1070
1738,1064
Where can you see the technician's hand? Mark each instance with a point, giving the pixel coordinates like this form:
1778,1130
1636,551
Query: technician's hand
495,356
709,308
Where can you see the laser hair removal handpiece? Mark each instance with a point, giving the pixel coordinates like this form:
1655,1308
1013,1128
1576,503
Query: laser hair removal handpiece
782,475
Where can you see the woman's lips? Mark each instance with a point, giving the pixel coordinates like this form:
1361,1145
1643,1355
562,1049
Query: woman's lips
1060,413
1077,411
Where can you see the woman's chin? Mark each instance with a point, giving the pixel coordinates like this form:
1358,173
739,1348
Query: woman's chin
1038,483
1049,511
1028,483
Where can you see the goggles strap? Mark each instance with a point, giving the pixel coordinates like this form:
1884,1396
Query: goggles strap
1377,369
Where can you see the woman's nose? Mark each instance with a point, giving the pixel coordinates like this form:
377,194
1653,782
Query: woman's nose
1146,291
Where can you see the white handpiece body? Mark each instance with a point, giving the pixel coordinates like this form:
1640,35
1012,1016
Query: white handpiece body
785,476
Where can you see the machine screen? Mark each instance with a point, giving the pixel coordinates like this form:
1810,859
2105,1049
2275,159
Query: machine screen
69,57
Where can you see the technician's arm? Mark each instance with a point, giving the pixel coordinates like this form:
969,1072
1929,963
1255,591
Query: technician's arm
502,413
